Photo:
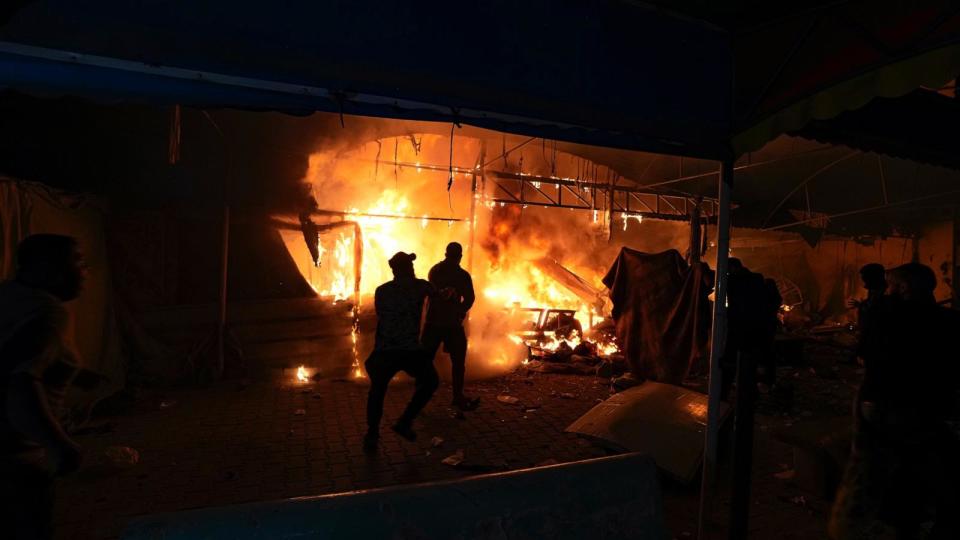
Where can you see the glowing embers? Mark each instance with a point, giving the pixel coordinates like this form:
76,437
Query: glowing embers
627,217
302,374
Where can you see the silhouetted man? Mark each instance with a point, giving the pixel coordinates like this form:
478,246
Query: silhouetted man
772,301
904,455
36,367
747,307
869,310
399,306
445,318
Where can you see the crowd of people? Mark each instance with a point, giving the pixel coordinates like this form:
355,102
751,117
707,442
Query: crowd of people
903,472
904,469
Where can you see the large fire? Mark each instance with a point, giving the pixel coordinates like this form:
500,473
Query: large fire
409,208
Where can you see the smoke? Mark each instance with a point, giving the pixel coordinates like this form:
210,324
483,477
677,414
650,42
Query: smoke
378,169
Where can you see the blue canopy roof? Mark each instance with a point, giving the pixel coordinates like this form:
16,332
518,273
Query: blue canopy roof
623,73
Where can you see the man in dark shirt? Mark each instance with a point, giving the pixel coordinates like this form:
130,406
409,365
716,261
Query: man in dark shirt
747,306
399,306
445,318
904,454
869,338
37,364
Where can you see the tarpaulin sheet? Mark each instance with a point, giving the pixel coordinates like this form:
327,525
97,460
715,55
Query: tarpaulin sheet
27,208
661,311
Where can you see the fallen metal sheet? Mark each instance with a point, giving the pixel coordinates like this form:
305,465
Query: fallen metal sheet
663,421
612,498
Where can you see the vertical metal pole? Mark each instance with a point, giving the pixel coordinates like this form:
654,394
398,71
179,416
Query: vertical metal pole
955,273
694,254
473,205
222,315
612,184
718,338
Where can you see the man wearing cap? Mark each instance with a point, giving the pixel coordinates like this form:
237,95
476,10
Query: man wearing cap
445,316
399,307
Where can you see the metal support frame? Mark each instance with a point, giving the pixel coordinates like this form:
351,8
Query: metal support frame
555,192
718,339
558,192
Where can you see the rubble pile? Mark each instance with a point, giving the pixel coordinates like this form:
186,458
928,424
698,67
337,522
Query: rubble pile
583,359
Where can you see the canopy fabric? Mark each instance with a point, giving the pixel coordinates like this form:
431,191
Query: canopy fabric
624,74
28,208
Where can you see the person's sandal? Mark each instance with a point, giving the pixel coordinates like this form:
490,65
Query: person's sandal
371,442
405,430
467,404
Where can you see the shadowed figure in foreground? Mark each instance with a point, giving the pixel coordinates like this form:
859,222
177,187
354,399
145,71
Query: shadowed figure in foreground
903,469
445,316
37,364
399,307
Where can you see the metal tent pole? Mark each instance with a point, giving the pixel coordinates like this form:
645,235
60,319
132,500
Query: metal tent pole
718,338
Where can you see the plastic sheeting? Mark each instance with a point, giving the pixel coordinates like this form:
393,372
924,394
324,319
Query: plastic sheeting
661,311
28,208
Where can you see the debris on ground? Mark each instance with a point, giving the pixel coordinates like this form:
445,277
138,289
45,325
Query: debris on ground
509,400
167,403
567,395
121,456
788,474
454,460
436,442
300,412
99,429
627,380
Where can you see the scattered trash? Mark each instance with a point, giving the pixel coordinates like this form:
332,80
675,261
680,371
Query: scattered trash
627,380
509,400
300,412
529,411
788,474
167,403
454,459
100,429
547,463
122,456
799,500
568,395
436,442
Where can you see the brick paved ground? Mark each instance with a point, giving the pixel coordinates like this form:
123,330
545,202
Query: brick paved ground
235,443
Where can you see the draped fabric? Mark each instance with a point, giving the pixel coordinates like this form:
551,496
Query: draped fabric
661,311
28,208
